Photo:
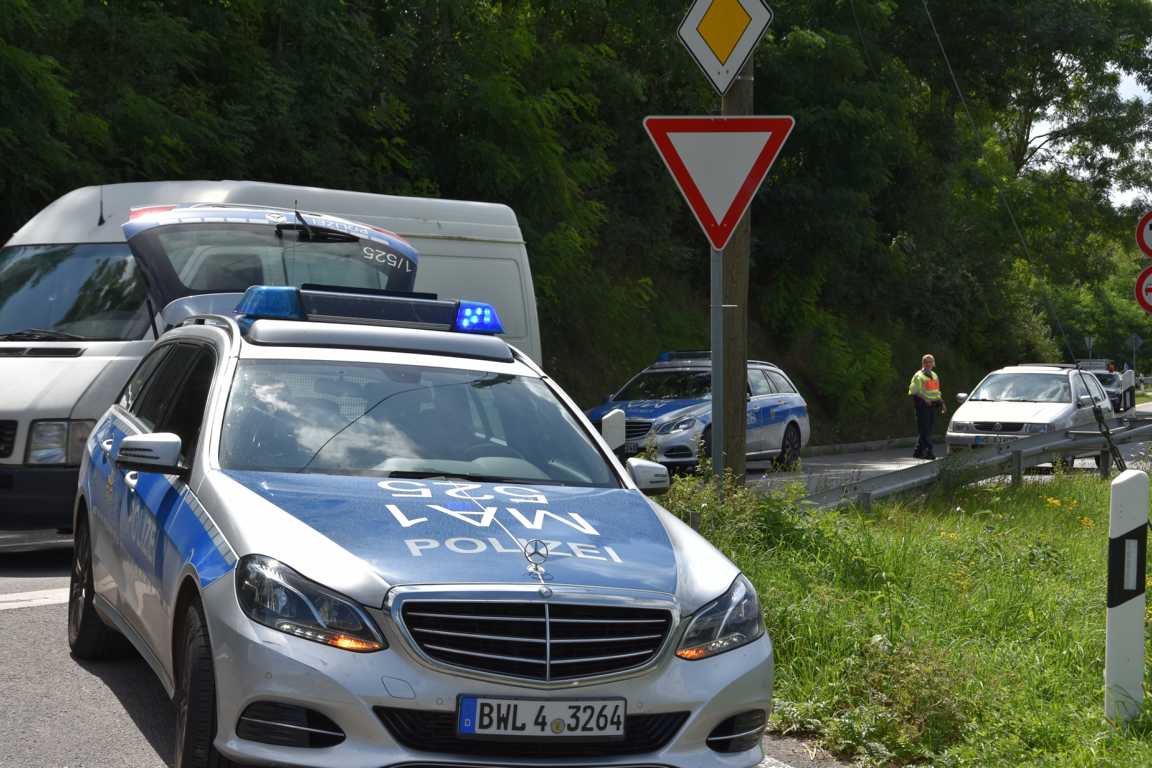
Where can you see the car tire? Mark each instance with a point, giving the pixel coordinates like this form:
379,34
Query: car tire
89,637
195,697
706,442
789,448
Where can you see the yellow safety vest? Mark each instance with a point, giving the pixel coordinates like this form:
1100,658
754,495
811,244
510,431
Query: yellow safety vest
927,387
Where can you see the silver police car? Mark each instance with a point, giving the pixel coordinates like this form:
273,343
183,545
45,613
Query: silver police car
358,530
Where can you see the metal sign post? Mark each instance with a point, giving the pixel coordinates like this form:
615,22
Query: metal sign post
717,320
1127,562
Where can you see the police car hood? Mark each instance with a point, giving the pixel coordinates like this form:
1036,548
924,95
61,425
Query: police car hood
647,410
452,532
1003,411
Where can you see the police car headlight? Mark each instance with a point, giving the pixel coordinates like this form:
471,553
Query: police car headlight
1034,428
272,594
722,625
681,425
962,426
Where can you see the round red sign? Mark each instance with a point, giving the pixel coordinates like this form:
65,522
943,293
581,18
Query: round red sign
1144,234
1144,290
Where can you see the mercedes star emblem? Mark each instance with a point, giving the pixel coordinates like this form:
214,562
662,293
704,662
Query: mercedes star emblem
536,551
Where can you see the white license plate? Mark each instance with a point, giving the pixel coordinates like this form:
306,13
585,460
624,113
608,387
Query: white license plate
990,439
537,718
632,446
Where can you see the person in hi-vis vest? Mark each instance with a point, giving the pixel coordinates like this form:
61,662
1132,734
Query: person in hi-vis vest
927,397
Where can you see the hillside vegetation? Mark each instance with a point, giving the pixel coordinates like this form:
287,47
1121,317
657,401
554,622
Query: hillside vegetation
881,234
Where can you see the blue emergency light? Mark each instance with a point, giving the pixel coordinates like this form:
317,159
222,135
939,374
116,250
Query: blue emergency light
354,305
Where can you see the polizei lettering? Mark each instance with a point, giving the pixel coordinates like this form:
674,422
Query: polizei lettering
466,545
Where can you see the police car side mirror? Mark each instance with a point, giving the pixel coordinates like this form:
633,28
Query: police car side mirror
612,428
1085,401
961,397
650,477
158,452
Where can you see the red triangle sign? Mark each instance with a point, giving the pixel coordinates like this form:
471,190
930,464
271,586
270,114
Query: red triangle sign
719,163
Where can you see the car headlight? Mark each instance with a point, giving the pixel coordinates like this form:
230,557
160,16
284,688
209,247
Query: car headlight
272,594
1036,428
58,442
962,426
724,624
681,425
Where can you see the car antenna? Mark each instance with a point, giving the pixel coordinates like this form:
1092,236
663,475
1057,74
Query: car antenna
100,220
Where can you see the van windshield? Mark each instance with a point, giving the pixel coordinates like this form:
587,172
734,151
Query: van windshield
91,291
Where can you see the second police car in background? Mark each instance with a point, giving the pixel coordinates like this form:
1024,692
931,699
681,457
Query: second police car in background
357,530
668,406
1025,400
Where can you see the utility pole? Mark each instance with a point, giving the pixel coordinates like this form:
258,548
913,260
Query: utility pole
737,255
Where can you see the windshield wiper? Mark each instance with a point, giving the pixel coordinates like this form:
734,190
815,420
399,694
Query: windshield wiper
310,233
416,474
40,334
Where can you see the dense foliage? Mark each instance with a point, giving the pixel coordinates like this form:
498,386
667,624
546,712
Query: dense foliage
882,232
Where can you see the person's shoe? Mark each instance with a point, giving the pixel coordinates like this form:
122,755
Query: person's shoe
930,457
917,455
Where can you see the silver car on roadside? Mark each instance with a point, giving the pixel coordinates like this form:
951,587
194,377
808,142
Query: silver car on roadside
1025,400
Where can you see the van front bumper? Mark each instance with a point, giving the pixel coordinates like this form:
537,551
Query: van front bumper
33,498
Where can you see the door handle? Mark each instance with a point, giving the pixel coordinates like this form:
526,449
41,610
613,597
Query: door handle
130,480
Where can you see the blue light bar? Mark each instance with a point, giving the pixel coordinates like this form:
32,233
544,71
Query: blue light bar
279,302
477,317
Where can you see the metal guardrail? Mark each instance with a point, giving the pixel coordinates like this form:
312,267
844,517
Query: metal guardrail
1008,458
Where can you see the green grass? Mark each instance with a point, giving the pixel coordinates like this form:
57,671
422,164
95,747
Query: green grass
960,631
1143,397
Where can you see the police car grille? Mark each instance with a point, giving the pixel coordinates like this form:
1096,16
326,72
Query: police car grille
431,731
7,438
538,641
998,426
634,430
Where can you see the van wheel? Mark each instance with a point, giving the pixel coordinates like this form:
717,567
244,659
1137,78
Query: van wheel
789,448
88,636
196,698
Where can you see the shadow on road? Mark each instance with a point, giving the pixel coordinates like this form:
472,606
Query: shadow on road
35,565
134,683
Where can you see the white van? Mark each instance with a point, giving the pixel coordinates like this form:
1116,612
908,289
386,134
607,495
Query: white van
77,312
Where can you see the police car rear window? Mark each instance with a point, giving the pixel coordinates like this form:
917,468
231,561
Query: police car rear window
404,421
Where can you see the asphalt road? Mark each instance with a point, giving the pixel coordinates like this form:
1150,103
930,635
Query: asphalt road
56,712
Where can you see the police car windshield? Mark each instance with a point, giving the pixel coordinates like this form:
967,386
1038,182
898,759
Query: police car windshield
404,421
1024,388
668,385
69,292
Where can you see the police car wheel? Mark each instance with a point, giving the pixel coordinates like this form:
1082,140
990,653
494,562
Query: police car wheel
706,442
789,448
88,636
196,698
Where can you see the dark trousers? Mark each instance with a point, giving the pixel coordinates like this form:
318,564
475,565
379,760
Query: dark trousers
925,417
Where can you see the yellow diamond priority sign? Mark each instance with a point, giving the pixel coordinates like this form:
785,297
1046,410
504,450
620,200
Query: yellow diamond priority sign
720,35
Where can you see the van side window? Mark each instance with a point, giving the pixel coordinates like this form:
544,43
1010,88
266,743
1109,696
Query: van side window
186,415
151,407
141,376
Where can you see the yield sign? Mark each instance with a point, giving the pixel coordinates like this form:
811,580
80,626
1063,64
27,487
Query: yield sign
719,163
721,34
